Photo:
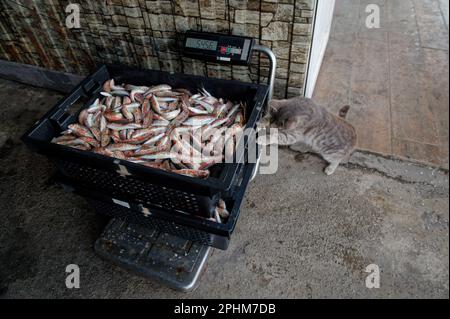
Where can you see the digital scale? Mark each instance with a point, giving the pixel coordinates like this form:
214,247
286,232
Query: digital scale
218,48
227,49
171,260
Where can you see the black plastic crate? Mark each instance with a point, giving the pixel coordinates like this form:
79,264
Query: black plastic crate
190,227
159,188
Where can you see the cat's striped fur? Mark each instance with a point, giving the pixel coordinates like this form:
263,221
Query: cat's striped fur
301,122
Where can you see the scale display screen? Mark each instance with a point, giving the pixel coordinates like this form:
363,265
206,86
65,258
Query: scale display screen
219,48
201,44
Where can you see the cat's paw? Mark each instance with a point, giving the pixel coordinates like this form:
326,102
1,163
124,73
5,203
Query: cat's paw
329,169
268,139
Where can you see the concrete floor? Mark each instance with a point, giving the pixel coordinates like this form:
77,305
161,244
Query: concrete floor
312,236
395,78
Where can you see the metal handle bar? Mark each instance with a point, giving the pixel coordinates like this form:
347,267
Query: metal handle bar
272,68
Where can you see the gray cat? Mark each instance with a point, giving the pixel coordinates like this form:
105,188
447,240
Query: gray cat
306,126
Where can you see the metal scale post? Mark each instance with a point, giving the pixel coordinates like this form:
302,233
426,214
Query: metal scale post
167,259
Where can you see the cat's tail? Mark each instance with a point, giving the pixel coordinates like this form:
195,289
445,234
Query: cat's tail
343,111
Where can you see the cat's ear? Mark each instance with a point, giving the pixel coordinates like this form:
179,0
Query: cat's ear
291,123
275,105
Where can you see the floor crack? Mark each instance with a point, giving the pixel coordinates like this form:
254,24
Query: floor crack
396,178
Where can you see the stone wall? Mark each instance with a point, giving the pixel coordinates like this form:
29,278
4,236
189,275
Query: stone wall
148,34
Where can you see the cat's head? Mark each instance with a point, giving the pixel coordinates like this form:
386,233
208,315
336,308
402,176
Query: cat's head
284,114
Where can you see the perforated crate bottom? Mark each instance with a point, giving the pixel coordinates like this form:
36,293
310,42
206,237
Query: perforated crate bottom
144,192
189,233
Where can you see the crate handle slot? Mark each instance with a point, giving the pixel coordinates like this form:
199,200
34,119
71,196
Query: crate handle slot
64,109
91,87
60,116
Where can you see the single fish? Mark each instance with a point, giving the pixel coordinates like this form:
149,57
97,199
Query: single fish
74,142
80,130
199,120
119,127
158,88
170,115
192,173
113,86
91,141
119,93
155,104
162,122
196,111
127,113
83,116
122,147
131,87
115,117
107,86
137,114
106,94
154,139
136,91
96,132
105,138
208,107
160,155
168,93
63,138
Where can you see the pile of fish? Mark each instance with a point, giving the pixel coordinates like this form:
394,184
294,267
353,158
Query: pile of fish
159,127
